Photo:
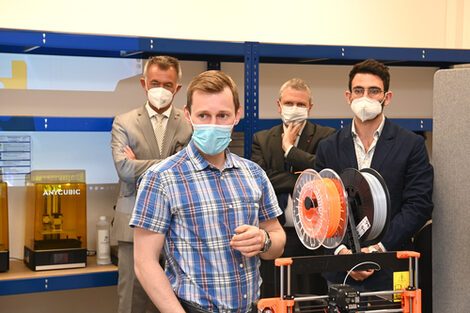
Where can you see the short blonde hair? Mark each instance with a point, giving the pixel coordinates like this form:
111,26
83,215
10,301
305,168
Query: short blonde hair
212,82
297,84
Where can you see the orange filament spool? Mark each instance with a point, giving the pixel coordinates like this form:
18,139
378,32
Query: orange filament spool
320,209
339,188
310,212
335,206
310,209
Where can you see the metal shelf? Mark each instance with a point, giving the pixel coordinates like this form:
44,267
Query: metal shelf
45,123
319,54
250,53
44,42
413,124
104,124
20,279
37,42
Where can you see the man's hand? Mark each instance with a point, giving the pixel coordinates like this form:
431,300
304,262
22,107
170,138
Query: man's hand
373,248
290,135
358,275
249,240
128,152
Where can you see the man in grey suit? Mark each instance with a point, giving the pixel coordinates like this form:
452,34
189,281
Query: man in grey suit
141,138
282,151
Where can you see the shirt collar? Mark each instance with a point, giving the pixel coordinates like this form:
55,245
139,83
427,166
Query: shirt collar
151,112
377,132
200,163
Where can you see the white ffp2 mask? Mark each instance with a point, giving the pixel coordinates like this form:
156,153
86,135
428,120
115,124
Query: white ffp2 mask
365,108
159,97
294,114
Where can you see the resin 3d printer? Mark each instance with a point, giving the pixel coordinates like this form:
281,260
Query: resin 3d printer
56,220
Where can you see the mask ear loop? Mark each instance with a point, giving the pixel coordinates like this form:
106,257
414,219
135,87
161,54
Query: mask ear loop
176,88
383,100
235,120
192,124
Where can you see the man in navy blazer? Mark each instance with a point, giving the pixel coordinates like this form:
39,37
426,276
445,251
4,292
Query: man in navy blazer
399,155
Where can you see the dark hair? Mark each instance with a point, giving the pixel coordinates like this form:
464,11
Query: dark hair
374,67
212,82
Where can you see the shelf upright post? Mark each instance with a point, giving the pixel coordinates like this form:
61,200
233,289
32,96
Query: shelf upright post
251,94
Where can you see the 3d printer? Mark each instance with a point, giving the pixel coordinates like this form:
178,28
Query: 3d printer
4,252
56,220
328,209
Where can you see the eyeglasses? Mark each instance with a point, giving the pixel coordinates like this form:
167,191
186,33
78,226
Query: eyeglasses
371,92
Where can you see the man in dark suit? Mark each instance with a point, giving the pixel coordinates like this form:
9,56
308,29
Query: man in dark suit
399,155
141,138
282,151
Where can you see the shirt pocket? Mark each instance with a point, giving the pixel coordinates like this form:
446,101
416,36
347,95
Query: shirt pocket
243,211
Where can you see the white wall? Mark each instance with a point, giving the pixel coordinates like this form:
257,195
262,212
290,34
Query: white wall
412,98
411,90
398,23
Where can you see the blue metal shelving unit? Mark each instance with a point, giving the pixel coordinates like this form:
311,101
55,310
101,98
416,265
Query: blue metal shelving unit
55,283
251,53
37,42
413,124
251,94
352,54
42,42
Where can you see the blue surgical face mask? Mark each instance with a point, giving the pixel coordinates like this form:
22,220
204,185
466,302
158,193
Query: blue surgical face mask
212,139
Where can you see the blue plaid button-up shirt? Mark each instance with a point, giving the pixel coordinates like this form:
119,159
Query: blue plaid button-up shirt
198,207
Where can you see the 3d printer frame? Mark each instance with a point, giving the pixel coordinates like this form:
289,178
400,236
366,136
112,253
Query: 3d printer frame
342,299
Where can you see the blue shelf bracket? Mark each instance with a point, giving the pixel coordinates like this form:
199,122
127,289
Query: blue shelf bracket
251,94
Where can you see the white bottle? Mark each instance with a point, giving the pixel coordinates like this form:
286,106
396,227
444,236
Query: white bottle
103,249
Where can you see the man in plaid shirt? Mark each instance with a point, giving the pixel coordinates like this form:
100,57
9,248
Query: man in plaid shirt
213,213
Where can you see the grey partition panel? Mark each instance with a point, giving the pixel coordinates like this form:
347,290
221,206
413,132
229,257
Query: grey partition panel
451,217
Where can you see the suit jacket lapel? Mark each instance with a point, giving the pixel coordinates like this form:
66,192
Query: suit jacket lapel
306,136
277,154
174,121
384,144
347,151
145,125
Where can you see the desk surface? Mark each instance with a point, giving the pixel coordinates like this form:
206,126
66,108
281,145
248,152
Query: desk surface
20,279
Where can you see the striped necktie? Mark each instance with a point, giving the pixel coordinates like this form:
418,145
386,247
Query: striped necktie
160,132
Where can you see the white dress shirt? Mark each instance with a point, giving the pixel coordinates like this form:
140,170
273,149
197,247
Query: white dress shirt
153,116
364,159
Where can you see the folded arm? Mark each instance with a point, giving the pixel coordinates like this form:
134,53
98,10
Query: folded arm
129,168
